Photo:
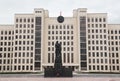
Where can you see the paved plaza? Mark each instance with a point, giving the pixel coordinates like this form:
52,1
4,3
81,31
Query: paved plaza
77,77
60,79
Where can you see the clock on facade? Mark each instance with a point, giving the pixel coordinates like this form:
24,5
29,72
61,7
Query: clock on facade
60,19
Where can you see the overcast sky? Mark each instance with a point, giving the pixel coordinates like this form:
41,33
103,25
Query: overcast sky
9,7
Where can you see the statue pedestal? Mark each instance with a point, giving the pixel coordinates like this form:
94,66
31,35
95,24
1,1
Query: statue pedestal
55,72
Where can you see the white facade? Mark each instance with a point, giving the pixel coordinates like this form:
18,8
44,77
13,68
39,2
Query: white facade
114,42
6,47
89,43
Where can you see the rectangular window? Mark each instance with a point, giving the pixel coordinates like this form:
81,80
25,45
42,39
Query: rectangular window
89,60
31,67
113,67
15,67
98,67
106,67
104,19
93,67
72,57
89,67
48,57
68,58
64,57
96,20
102,67
52,57
117,67
27,68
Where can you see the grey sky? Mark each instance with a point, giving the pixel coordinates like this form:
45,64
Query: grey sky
9,7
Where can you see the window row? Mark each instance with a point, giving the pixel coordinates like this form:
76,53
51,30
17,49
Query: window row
60,37
24,20
24,25
24,37
96,31
5,61
23,48
23,67
6,38
63,43
23,42
24,31
114,43
6,43
114,32
38,11
23,54
60,27
97,54
5,55
97,48
114,37
96,25
97,42
6,49
103,67
23,61
98,67
64,49
60,32
67,59
7,32
97,36
5,68
98,61
114,49
96,19
51,58
114,61
114,55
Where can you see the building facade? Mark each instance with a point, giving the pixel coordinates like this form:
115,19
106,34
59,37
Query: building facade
89,43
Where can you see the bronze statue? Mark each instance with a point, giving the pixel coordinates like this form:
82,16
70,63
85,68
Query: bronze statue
58,58
57,49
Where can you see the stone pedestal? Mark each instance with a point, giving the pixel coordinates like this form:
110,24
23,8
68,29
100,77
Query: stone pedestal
62,72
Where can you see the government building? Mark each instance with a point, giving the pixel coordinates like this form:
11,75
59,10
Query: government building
89,42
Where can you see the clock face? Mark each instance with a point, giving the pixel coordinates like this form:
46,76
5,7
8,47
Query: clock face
60,19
